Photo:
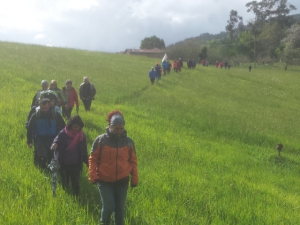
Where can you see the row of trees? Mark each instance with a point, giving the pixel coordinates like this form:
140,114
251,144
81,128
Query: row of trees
271,36
266,36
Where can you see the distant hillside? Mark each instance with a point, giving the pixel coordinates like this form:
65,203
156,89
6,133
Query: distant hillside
206,37
296,17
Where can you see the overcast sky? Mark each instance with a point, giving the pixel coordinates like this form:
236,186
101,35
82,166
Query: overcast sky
114,25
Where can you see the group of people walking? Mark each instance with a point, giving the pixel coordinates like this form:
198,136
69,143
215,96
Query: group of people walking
112,163
221,65
156,71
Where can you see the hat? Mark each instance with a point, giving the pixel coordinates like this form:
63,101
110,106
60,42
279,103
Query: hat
116,120
49,94
44,82
44,101
68,81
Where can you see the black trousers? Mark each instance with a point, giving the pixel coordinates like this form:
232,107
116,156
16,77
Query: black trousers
87,104
66,111
70,172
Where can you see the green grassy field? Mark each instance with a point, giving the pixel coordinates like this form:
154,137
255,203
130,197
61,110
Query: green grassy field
205,140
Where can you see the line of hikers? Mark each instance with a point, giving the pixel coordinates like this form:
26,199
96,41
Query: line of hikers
156,71
221,65
112,163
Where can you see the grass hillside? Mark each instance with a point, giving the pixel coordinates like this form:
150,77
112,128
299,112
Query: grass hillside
205,140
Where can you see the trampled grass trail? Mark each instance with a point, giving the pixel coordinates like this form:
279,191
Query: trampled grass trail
205,140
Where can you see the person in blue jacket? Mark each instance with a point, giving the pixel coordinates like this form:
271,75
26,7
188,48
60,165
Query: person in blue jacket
42,128
165,66
152,75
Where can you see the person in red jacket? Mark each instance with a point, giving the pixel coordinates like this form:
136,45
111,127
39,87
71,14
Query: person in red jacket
112,164
71,97
175,66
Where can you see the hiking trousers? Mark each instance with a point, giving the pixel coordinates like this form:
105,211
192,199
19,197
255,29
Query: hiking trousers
42,152
113,196
70,172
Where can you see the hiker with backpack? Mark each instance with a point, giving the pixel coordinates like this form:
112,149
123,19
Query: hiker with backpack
70,143
71,97
36,97
43,126
87,93
112,164
51,95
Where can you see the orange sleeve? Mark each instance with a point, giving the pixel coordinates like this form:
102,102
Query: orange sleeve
94,161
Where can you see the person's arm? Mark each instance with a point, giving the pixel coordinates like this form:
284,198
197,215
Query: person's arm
93,90
133,163
56,142
83,149
76,98
30,129
62,96
34,100
80,91
60,122
94,161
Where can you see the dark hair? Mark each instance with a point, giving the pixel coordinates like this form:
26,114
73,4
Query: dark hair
75,120
109,115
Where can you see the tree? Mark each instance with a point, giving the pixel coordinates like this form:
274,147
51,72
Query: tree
152,42
235,22
291,51
203,53
271,10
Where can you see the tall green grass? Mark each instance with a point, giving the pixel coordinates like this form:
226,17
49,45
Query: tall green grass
205,140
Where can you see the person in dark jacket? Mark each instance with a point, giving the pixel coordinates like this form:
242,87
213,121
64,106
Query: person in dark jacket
51,95
112,164
36,97
71,146
43,127
158,71
87,93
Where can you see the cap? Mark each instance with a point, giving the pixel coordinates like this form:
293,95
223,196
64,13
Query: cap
44,82
68,81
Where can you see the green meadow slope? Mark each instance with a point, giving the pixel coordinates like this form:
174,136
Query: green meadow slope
205,140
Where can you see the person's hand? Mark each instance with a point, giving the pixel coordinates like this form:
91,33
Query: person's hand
96,182
29,145
54,146
134,185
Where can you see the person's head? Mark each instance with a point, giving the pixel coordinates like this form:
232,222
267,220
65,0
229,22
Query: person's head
116,122
68,84
53,85
152,68
51,96
75,123
85,80
44,104
44,84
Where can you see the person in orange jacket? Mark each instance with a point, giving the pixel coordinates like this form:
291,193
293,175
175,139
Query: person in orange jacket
112,163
